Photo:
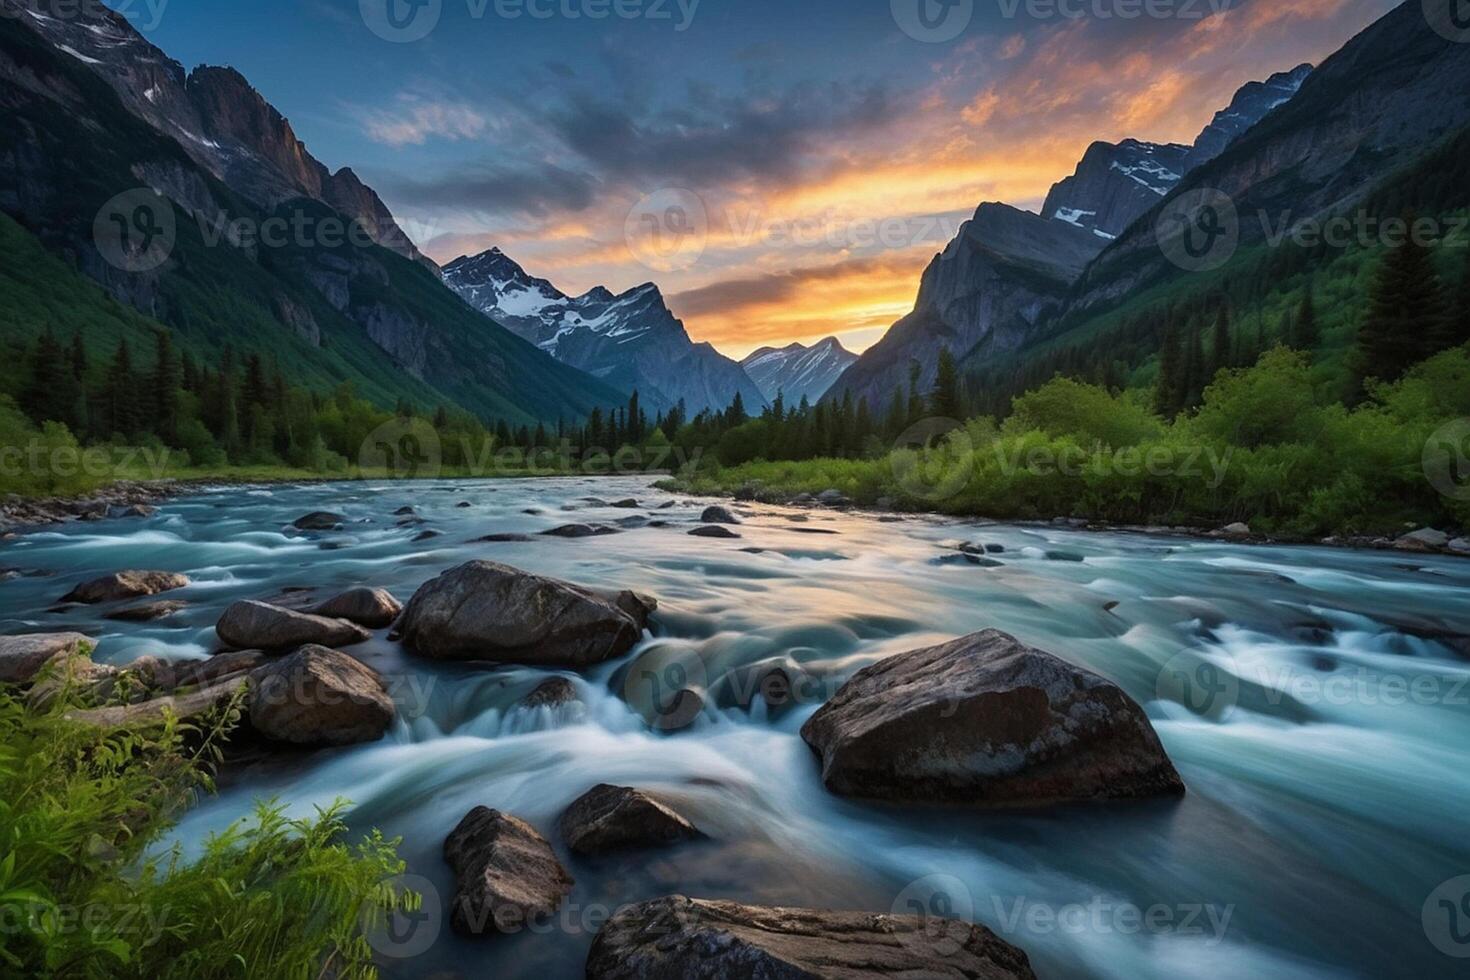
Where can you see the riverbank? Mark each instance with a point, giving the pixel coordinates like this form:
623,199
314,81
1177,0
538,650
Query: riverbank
890,500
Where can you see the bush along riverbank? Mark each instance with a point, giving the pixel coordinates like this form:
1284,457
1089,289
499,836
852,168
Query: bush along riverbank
83,891
1263,457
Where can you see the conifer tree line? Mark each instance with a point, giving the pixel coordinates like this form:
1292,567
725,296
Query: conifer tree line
242,411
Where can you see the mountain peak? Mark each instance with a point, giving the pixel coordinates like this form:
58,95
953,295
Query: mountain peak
797,371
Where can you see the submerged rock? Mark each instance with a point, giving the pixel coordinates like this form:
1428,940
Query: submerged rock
318,696
148,612
251,625
677,937
319,521
125,585
551,693
373,608
579,531
610,818
713,531
511,538
507,876
487,611
988,721
718,515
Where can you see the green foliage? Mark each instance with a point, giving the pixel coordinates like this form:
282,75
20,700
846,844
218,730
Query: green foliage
83,894
1265,447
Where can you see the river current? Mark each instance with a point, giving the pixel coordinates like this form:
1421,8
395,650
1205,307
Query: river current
1308,696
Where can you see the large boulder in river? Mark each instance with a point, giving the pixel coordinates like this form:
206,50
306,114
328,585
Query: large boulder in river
677,937
487,611
319,521
988,721
252,625
22,657
373,608
718,515
125,585
507,876
319,696
611,818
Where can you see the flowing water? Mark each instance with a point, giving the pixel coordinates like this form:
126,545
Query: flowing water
1323,731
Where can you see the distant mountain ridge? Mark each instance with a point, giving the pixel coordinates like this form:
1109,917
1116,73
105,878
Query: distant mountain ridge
1009,271
212,152
631,340
796,371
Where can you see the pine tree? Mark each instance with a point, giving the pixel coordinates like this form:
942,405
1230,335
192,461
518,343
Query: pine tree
946,399
256,393
1405,316
122,394
737,414
50,395
1220,359
1167,397
78,357
1306,335
164,390
1457,324
1196,368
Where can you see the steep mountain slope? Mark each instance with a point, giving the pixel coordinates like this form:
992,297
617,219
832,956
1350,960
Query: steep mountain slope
1007,298
797,371
327,311
1387,95
1005,270
1114,184
222,123
1251,104
631,341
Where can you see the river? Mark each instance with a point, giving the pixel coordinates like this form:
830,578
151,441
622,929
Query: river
1327,755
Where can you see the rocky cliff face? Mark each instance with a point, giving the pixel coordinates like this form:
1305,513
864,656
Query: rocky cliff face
215,115
1010,270
1114,184
1391,92
1005,270
797,371
631,340
1251,104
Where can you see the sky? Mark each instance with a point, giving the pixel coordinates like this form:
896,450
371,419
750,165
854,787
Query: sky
783,169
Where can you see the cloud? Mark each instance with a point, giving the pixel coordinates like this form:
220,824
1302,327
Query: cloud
714,138
492,189
413,120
